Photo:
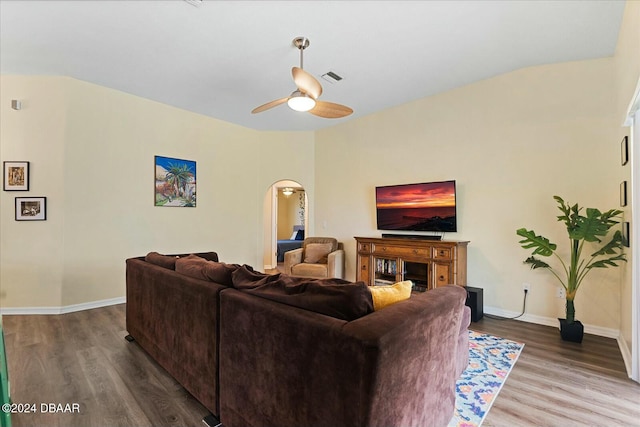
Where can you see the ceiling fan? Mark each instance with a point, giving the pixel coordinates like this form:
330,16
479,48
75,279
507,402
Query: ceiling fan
305,97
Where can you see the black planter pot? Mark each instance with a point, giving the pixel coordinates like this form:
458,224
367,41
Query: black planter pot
571,331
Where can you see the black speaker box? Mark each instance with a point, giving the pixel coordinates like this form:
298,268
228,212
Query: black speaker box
474,302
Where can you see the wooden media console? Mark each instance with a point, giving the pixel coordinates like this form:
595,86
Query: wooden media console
427,263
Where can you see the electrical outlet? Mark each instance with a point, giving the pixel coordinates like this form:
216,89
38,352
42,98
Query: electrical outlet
526,287
560,293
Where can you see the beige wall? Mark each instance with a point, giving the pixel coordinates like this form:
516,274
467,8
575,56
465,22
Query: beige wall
31,256
511,143
627,60
91,151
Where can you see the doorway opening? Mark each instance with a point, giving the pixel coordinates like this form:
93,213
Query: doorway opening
286,221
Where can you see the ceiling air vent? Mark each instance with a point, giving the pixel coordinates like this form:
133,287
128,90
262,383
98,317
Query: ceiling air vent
331,77
196,3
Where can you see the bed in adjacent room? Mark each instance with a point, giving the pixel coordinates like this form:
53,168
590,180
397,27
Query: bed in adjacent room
292,243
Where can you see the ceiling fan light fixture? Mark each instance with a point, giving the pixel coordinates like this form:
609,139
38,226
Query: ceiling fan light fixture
309,89
301,101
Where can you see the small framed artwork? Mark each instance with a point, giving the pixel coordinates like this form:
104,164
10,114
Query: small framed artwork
31,208
625,233
623,193
175,182
624,150
16,176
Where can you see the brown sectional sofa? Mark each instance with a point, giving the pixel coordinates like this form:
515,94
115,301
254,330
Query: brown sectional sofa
174,318
254,359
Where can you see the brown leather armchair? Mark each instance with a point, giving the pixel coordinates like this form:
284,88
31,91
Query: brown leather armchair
319,257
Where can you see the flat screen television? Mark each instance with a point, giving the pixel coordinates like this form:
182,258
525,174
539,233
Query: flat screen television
428,206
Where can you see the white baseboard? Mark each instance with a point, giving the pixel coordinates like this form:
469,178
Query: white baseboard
589,329
626,355
551,321
62,310
540,320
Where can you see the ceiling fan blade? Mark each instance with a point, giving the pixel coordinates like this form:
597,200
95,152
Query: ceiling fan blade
268,105
306,82
330,110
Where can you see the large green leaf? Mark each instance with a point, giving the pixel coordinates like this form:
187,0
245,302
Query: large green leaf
608,262
589,228
614,245
610,214
570,214
565,210
540,245
536,263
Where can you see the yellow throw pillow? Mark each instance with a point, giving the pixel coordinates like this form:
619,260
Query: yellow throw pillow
390,294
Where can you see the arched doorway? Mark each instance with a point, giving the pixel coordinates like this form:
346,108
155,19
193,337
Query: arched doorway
286,218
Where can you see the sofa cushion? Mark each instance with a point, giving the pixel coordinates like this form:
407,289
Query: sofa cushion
209,256
310,270
169,261
192,266
317,253
166,261
245,278
200,268
220,272
333,297
386,295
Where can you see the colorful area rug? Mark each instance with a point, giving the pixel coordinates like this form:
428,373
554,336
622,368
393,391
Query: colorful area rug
490,361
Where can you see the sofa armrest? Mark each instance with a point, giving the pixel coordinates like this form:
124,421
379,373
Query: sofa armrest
292,258
335,264
396,366
174,318
417,342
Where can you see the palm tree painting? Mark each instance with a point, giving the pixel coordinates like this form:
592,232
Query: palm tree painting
175,182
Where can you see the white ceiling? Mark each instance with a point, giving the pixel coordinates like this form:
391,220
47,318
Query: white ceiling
223,58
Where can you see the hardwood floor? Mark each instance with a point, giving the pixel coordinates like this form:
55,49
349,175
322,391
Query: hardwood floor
83,358
557,383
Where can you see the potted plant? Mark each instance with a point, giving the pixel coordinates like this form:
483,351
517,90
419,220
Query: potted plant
581,229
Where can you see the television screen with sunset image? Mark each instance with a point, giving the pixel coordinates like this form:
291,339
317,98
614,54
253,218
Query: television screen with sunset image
429,206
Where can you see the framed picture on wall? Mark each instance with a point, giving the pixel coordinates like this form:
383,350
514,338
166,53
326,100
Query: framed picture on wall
31,208
175,182
623,193
624,150
16,176
625,233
